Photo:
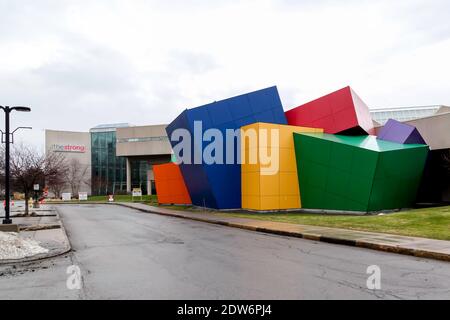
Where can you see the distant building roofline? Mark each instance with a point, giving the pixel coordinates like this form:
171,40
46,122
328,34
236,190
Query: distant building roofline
431,107
65,131
402,114
109,127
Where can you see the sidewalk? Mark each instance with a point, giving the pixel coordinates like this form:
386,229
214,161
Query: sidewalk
419,247
46,228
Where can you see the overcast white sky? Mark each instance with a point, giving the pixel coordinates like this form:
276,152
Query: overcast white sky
81,63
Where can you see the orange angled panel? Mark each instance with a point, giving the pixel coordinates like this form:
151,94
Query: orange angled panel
170,186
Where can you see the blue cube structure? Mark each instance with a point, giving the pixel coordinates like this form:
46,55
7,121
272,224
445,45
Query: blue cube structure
216,185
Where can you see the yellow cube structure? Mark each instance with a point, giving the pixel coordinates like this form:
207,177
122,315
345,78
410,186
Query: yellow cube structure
268,166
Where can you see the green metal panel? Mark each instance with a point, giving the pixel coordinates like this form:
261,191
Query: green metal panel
397,178
357,173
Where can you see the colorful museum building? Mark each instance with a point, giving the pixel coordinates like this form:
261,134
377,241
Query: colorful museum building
246,152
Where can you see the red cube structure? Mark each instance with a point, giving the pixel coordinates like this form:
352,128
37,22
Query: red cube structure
340,112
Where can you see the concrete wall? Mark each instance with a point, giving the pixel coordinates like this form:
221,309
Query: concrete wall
434,129
142,141
443,109
73,145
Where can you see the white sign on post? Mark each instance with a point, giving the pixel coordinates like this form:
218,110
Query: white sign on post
67,196
137,192
36,187
82,196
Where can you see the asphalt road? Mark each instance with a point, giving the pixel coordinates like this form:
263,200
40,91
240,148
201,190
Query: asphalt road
126,254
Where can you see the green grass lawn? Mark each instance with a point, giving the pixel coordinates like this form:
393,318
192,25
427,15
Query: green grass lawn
427,223
125,198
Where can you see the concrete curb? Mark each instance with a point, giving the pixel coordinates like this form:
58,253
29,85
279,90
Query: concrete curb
56,253
308,236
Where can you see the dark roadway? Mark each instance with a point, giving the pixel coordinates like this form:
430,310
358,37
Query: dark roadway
126,254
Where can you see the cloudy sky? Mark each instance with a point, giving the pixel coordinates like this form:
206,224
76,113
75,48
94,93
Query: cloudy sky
81,63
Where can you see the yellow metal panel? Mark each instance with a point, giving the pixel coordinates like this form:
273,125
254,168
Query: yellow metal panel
250,183
269,185
251,202
247,132
245,183
266,131
286,134
250,160
286,137
289,184
270,203
266,125
269,160
270,192
289,202
287,160
244,202
244,166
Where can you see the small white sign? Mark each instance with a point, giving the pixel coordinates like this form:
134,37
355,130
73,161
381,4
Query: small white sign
137,192
82,196
36,187
67,196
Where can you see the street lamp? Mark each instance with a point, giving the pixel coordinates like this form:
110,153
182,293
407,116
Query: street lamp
7,111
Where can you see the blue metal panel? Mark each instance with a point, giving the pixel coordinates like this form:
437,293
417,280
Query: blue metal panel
245,121
263,101
200,190
194,176
228,185
200,114
219,185
239,107
219,113
276,101
280,117
265,116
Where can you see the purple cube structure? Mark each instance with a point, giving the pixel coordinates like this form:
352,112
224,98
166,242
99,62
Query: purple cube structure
399,132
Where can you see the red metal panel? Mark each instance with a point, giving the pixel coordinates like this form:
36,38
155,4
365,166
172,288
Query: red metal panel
341,100
362,112
345,119
325,122
335,112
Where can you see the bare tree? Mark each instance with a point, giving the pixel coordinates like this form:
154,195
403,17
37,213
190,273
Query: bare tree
76,175
56,185
98,185
29,167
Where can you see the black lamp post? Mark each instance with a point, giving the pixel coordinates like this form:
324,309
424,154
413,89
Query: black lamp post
7,111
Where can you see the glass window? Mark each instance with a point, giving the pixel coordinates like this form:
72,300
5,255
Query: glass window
108,170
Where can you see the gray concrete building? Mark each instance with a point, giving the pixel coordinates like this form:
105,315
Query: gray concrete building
435,129
118,157
75,147
142,146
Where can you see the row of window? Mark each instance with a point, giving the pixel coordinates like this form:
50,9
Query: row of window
400,115
109,171
143,139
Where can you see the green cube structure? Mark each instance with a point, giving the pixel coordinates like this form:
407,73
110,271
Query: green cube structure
357,173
